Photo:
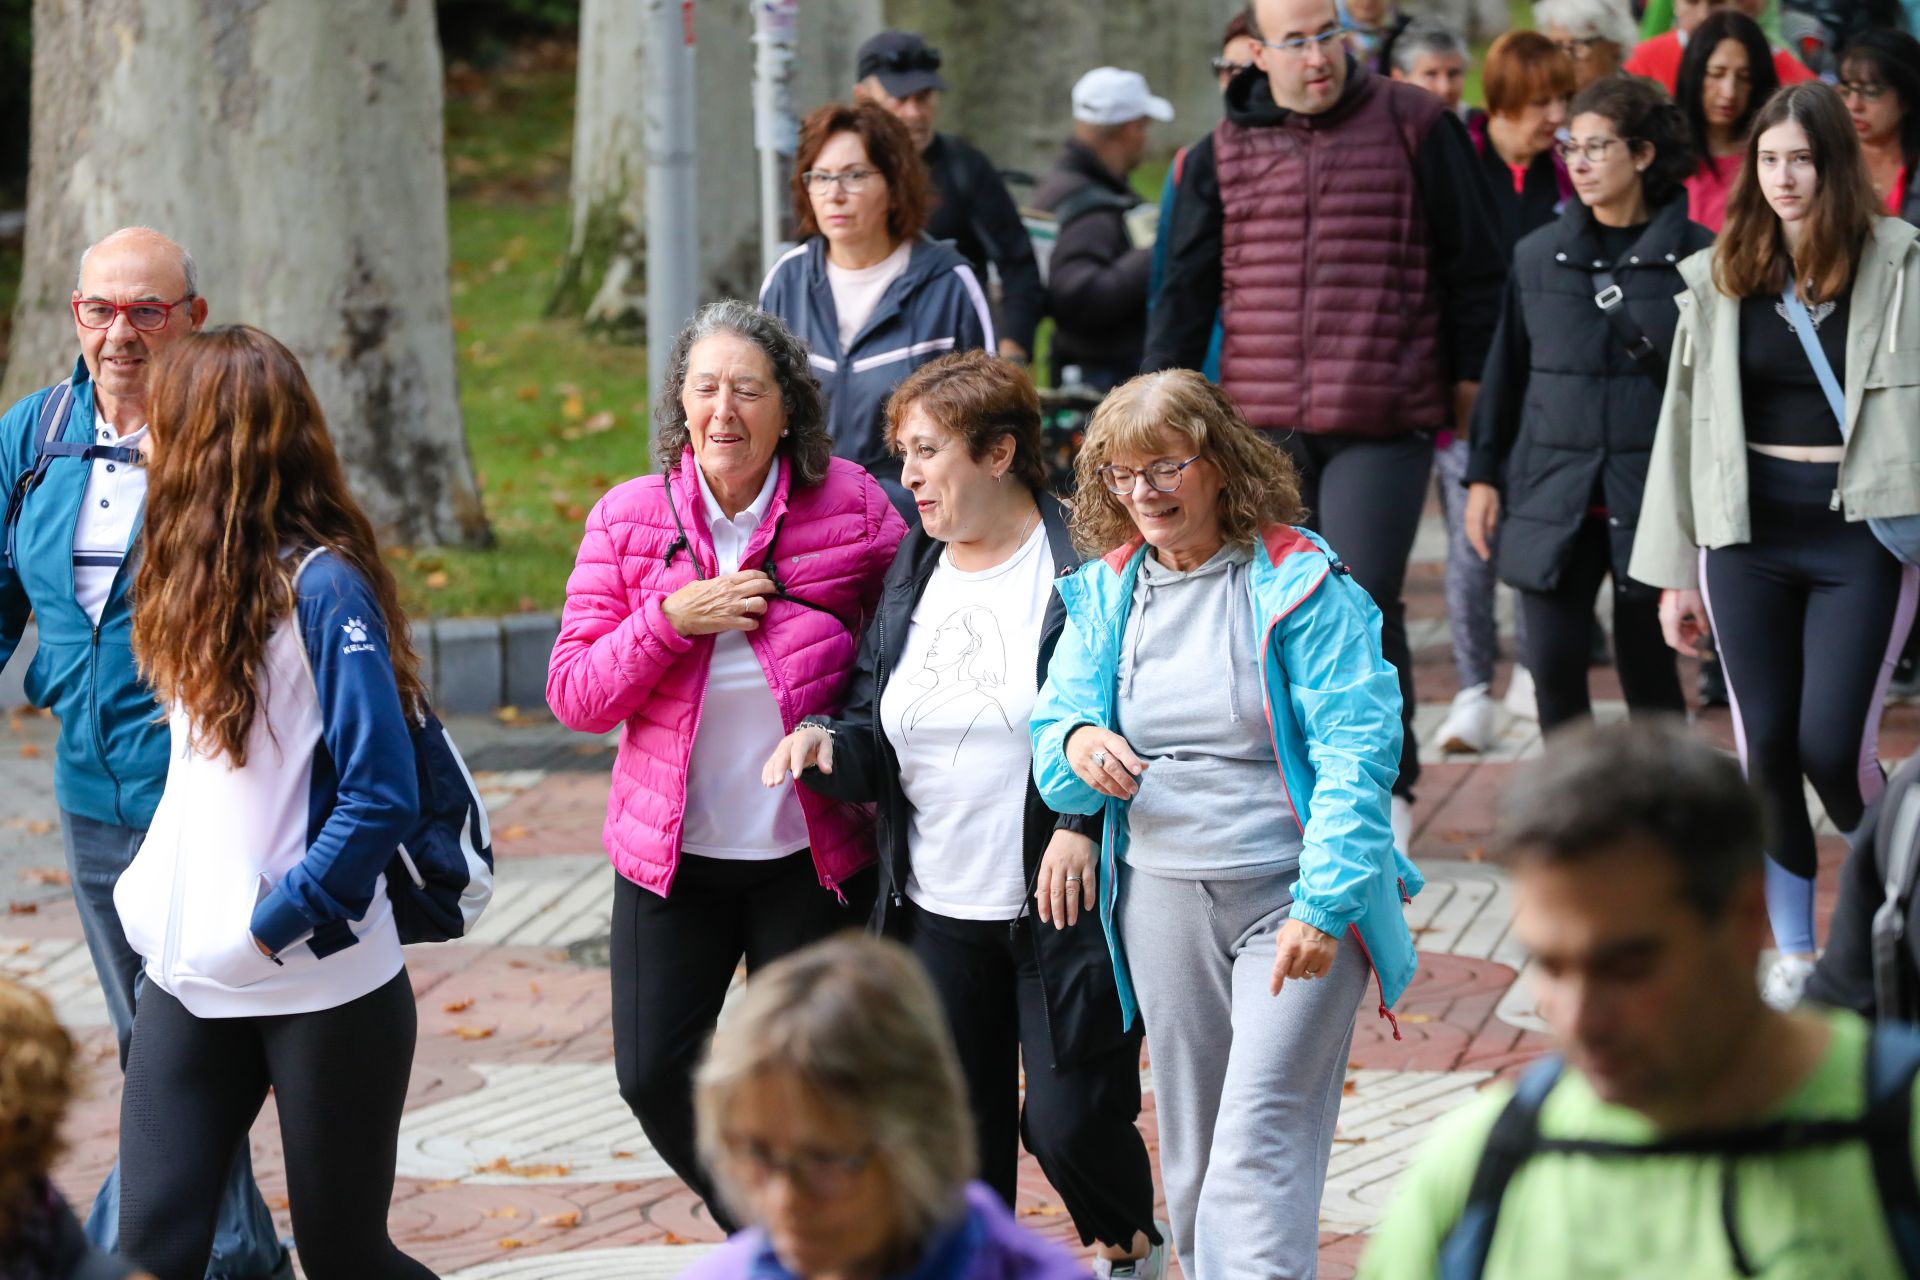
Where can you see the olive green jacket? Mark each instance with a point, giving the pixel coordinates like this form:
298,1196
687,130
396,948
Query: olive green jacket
1697,482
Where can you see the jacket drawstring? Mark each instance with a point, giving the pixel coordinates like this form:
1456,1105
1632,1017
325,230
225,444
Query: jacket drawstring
1138,626
1233,642
1899,291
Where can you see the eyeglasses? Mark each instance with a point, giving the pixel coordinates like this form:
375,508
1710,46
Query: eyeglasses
1865,90
1299,45
1164,475
1594,149
147,317
852,181
1228,67
1580,49
824,1175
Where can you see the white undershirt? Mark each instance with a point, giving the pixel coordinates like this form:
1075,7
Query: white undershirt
110,509
729,814
857,291
956,713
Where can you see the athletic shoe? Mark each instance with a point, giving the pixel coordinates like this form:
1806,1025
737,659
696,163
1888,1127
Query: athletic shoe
1519,700
1468,728
1713,685
1151,1267
1401,816
1786,981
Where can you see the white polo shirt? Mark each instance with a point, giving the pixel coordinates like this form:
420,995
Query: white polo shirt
729,813
116,493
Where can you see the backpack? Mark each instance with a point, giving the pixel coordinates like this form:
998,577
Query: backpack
1896,856
1885,1127
441,876
55,409
1045,225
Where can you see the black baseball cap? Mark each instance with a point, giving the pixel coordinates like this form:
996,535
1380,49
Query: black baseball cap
902,62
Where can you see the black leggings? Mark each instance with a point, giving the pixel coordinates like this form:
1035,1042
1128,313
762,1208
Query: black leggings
1557,636
1365,497
1808,617
673,959
194,1086
1078,1122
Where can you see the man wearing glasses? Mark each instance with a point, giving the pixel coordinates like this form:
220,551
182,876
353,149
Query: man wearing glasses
73,463
975,212
1338,221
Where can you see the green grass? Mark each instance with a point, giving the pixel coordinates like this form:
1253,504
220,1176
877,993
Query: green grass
555,416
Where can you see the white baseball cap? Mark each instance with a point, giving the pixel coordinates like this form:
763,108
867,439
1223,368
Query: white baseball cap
1108,95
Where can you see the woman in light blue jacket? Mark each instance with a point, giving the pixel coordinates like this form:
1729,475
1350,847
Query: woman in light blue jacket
1219,695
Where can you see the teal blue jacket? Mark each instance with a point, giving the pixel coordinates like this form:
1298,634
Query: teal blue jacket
111,761
1333,706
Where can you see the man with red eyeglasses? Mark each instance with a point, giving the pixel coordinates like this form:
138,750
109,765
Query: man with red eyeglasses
72,463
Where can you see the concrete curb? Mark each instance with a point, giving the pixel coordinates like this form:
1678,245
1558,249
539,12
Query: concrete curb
474,666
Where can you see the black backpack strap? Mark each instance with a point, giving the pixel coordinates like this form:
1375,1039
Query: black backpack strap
55,409
1515,1134
1893,1060
1086,200
1612,301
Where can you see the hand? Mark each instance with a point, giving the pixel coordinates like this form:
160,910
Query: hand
1117,770
731,602
1065,884
1301,951
1482,518
807,745
1683,620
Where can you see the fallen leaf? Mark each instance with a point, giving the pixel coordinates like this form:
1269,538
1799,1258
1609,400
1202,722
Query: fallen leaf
45,875
279,1204
623,1155
22,908
1416,1017
602,421
1350,1141
502,1211
1476,854
473,1033
564,1221
533,988
1042,1211
457,1006
499,1164
506,715
514,832
674,1238
29,752
437,580
1349,1088
528,393
509,1242
573,408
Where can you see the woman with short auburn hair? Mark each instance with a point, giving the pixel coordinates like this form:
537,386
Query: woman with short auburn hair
1527,80
1787,425
1219,702
869,294
935,732
832,1111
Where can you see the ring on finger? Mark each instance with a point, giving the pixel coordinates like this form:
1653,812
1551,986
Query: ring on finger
1073,879
1099,758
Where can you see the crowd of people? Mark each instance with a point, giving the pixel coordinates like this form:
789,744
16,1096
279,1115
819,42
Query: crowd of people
1131,764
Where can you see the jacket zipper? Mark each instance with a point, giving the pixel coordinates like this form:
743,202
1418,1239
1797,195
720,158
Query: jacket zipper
1306,291
880,738
1026,902
93,716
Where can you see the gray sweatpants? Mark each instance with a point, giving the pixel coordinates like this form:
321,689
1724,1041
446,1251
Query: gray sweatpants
1244,1197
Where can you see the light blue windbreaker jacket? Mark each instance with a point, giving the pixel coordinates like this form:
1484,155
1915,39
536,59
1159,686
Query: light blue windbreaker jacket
1333,705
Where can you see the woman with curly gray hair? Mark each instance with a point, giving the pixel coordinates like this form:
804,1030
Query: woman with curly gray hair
710,609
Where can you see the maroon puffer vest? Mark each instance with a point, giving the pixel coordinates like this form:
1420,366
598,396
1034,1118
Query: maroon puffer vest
1331,318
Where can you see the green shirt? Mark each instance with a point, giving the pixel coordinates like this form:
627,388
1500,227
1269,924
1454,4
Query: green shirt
1812,1215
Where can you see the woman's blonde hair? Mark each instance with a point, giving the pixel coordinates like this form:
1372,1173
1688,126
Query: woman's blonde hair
36,1083
1262,488
855,1020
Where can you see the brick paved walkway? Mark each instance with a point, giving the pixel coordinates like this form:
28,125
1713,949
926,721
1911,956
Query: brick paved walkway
517,1157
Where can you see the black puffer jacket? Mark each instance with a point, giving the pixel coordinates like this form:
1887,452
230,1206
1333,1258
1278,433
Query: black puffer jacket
1076,972
1097,279
1565,417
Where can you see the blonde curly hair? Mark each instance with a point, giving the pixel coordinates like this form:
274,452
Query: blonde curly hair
36,1083
1171,412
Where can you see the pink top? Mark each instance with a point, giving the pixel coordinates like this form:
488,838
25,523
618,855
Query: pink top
1708,187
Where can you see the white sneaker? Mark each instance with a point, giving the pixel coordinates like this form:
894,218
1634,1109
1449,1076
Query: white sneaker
1468,728
1151,1267
1787,981
1402,818
1519,700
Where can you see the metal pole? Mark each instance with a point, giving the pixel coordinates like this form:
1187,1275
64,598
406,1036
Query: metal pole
775,132
673,227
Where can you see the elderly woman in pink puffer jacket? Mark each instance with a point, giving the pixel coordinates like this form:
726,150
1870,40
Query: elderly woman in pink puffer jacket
710,609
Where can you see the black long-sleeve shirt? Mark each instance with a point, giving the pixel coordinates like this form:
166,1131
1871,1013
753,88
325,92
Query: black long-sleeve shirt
976,212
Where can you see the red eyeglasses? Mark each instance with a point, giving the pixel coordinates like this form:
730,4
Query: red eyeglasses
96,313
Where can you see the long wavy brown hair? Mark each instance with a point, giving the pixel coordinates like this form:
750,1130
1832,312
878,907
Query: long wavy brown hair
244,478
37,1080
1158,410
1751,256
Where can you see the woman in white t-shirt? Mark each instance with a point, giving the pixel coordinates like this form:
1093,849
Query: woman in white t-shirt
935,733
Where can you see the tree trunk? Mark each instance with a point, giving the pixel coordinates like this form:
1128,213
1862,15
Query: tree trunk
295,149
604,276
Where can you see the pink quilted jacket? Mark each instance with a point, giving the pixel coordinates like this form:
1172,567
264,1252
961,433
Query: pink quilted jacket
620,662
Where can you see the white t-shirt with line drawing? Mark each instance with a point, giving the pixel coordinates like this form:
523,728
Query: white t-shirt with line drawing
955,713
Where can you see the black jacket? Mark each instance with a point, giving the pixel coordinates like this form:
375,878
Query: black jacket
1565,417
1076,973
1845,977
977,213
1096,279
1467,259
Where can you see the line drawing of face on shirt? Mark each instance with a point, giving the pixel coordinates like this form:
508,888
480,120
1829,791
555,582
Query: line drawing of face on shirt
965,666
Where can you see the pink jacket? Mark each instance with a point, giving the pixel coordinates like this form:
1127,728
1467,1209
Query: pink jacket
618,660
